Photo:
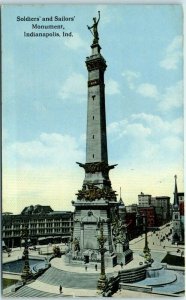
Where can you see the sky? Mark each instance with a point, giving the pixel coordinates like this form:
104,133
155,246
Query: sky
44,101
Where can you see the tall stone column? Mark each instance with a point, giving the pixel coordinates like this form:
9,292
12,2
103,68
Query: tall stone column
96,200
96,166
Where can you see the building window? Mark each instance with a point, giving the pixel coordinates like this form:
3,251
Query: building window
93,155
93,117
93,136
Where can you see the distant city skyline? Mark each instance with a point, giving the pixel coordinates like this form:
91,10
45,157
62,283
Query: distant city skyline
45,93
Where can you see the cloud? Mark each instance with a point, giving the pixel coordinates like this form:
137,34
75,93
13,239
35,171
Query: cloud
169,98
47,149
131,78
44,171
173,143
137,130
127,128
173,54
47,186
148,139
147,90
112,87
172,97
76,42
159,125
74,88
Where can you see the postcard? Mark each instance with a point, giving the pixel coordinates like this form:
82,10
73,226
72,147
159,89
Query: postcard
92,165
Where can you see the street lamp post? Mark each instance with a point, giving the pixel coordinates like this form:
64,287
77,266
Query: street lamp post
146,250
26,273
47,254
102,281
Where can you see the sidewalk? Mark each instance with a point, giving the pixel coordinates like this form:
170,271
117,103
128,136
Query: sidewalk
155,242
45,287
59,263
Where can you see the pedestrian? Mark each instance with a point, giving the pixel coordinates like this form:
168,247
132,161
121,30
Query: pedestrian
96,267
60,289
121,264
85,268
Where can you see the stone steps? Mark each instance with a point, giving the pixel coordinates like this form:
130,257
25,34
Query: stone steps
67,279
26,291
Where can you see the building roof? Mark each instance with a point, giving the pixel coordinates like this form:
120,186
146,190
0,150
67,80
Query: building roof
60,212
36,209
161,197
142,194
180,194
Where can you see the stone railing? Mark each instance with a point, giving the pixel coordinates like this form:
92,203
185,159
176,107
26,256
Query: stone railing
111,287
132,275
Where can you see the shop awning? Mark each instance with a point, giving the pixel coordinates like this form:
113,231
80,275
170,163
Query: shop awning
41,238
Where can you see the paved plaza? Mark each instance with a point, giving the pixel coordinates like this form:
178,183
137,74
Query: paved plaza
158,248
78,281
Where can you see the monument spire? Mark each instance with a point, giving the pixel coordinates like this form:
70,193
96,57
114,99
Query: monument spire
96,201
96,166
96,146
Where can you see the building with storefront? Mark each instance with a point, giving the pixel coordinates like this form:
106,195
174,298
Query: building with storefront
44,225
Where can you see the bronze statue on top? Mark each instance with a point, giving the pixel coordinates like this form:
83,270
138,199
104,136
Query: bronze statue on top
94,28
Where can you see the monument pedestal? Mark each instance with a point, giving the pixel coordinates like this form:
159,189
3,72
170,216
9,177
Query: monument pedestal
87,218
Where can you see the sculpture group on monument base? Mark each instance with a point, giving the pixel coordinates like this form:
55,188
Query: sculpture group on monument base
120,238
91,192
80,254
119,231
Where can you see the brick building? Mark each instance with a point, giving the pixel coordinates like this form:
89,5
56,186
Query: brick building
162,208
44,225
150,214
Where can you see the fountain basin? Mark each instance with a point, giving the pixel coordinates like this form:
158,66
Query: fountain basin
17,265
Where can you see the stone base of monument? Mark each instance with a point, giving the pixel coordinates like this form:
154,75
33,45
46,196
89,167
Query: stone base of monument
85,258
124,257
111,260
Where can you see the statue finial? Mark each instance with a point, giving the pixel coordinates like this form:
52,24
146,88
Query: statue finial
94,28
